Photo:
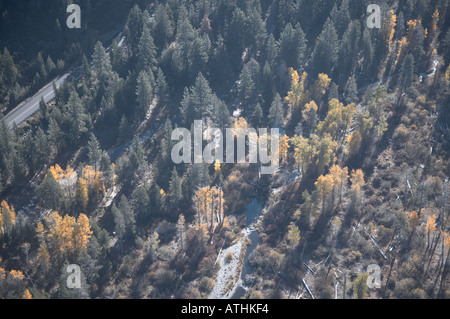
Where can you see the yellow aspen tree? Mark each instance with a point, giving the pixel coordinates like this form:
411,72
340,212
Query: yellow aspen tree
40,232
293,235
324,187
57,172
430,227
309,115
302,152
413,219
17,274
339,176
411,27
320,86
241,123
447,74
81,194
297,92
209,203
446,239
94,180
202,203
82,233
65,233
324,152
217,168
390,27
27,294
226,222
60,233
7,209
435,21
431,224
7,217
402,44
43,256
217,203
97,187
309,107
202,232
357,180
284,147
338,119
353,143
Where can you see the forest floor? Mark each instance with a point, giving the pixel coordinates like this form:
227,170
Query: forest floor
230,270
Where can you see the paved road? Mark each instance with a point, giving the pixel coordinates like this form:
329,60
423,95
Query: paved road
27,108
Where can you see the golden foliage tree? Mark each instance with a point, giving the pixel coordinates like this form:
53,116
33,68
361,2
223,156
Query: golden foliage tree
309,116
7,217
357,180
434,22
320,86
354,143
240,124
391,22
217,167
94,181
413,219
27,294
430,227
81,194
209,206
297,93
339,177
293,236
81,233
65,234
303,152
284,147
337,121
43,256
324,187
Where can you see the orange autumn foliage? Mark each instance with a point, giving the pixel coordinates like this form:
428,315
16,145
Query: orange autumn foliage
66,234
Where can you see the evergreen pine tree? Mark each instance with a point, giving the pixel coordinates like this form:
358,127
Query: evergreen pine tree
146,55
292,46
326,49
133,29
161,89
144,93
175,188
162,26
276,112
351,94
94,151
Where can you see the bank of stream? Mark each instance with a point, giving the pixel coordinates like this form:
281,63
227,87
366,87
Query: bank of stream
252,213
228,269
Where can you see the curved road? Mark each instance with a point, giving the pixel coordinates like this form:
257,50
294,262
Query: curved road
27,108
